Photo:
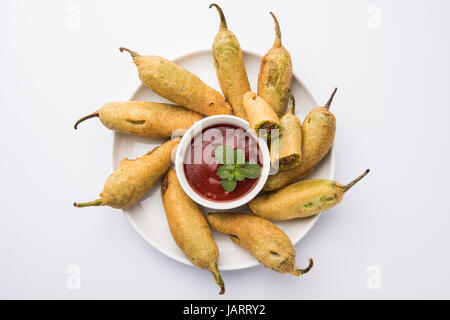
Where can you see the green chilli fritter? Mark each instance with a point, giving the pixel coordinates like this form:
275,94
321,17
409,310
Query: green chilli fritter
286,151
134,178
230,67
275,74
301,199
264,240
261,116
189,227
318,130
144,119
178,85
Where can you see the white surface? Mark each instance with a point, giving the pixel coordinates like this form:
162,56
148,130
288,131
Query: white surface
147,216
392,110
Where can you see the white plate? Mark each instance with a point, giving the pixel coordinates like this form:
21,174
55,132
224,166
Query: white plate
147,216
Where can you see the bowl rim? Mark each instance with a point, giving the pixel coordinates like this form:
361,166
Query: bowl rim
184,145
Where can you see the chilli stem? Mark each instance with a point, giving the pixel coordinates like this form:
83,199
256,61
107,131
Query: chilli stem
93,115
223,21
97,202
351,184
277,43
328,104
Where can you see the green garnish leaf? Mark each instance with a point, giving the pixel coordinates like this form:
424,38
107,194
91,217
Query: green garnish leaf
224,154
229,185
251,170
225,172
239,174
234,168
239,156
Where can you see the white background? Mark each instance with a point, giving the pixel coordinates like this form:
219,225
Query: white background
393,117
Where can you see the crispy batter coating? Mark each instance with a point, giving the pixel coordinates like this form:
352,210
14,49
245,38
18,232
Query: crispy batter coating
286,151
189,227
178,85
230,66
264,240
261,115
300,200
145,119
318,130
275,74
134,178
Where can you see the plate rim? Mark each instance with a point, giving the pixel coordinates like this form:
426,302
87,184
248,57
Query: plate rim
254,263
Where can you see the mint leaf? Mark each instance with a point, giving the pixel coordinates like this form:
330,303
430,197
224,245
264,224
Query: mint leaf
239,175
229,185
251,170
225,172
234,168
224,154
239,156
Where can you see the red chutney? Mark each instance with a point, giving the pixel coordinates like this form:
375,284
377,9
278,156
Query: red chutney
200,165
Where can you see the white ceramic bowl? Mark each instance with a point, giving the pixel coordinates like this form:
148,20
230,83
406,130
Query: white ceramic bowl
185,145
